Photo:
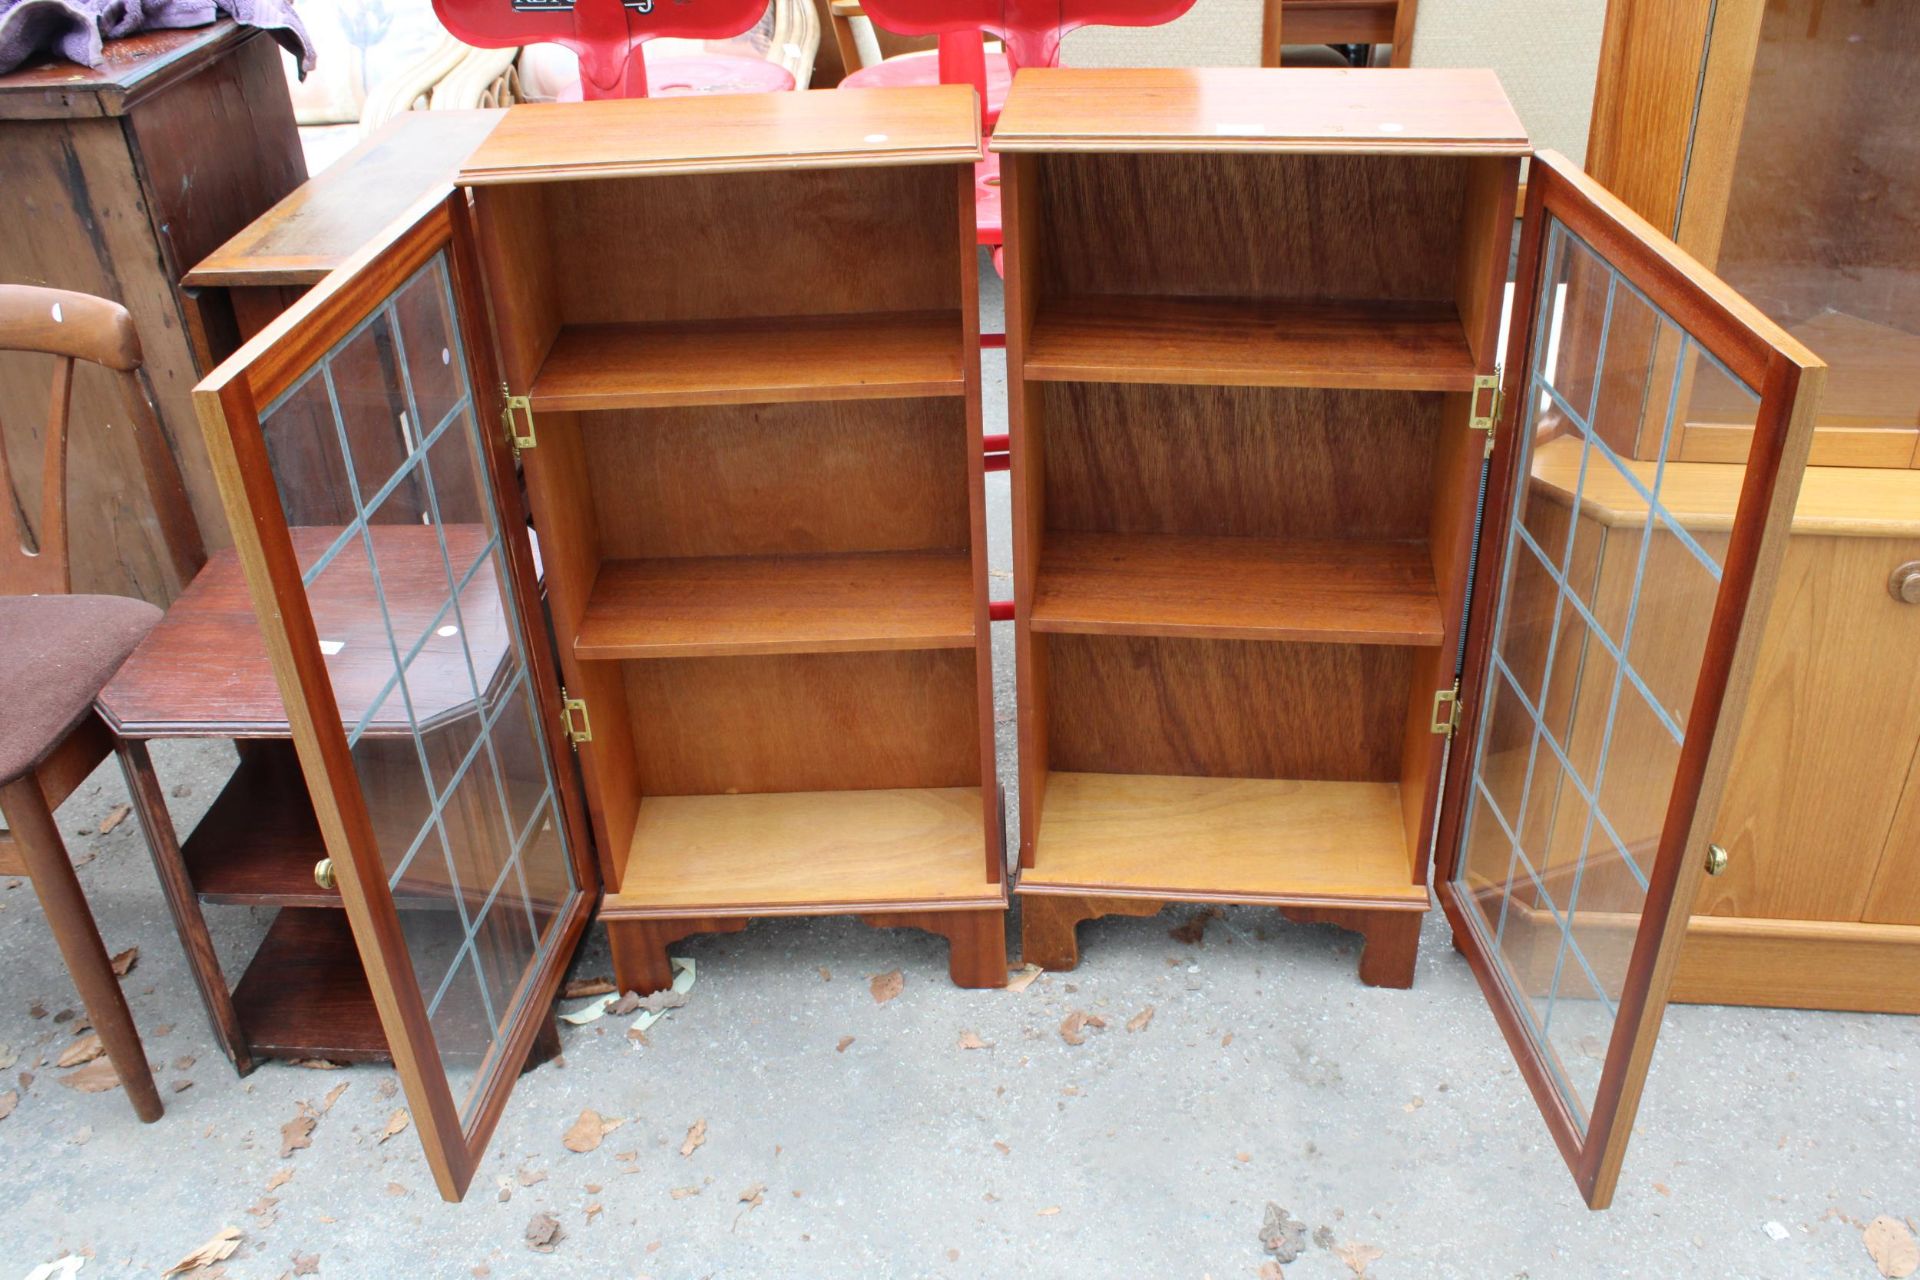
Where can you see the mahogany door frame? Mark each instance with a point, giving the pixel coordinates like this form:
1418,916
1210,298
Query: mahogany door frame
1788,379
228,404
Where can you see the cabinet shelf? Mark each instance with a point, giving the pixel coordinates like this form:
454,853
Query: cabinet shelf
1356,345
806,852
1349,591
258,842
711,606
1224,839
752,361
305,994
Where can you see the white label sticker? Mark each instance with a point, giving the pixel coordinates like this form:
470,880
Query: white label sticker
331,647
876,137
446,356
57,317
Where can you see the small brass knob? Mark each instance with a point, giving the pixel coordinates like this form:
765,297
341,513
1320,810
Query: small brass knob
323,873
1904,584
1716,859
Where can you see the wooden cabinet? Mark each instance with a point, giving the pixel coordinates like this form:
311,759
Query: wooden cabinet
732,344
1297,618
113,181
1764,135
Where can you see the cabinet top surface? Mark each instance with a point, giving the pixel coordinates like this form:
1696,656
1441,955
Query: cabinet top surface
54,88
1377,111
726,132
332,215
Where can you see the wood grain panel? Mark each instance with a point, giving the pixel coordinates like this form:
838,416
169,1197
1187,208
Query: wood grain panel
821,242
771,854
865,475
1246,462
1282,226
1226,708
1228,839
805,722
1827,745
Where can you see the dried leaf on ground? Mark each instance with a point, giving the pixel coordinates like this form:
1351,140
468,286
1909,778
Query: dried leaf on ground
306,1264
588,1131
885,986
85,1049
754,1195
8,1056
595,1209
1073,1029
842,1046
280,1179
123,962
1271,1270
83,1136
1281,1234
97,1076
581,988
8,1101
396,1123
1022,978
1194,932
625,1004
1892,1247
543,1233
315,1064
1358,1257
968,1040
218,1249
115,818
298,1132
696,1138
658,1002
826,974
326,1103
684,1193
530,1177
1141,1020
1048,1212
395,1189
186,1060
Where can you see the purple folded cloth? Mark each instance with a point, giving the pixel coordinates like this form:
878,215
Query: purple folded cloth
74,29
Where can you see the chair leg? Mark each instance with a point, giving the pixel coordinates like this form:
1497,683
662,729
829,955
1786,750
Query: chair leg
79,939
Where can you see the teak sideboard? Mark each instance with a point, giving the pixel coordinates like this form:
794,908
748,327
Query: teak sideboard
1292,619
730,345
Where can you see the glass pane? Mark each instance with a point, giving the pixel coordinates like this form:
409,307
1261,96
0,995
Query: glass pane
1599,635
1818,229
404,578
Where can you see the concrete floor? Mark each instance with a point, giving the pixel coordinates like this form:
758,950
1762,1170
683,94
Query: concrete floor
1268,1073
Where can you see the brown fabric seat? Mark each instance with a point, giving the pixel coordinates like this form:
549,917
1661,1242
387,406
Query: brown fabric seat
56,653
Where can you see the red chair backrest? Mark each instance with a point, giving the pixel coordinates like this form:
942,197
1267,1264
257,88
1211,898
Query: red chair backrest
1031,29
606,34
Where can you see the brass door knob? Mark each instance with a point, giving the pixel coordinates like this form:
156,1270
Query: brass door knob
1904,583
323,873
1716,859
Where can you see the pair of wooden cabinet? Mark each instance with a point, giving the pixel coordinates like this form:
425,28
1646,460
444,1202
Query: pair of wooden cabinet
1297,623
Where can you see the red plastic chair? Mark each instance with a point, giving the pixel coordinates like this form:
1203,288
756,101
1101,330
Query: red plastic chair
607,35
1030,30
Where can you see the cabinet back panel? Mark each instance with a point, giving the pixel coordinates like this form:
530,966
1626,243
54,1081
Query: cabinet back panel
1250,226
733,245
1239,461
805,722
820,476
1226,708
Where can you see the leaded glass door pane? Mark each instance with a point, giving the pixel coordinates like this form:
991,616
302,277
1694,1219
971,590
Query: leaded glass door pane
1618,597
395,566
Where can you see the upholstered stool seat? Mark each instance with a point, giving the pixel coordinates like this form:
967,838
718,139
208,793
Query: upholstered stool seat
59,651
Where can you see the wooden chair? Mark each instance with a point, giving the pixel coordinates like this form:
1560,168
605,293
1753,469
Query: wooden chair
57,650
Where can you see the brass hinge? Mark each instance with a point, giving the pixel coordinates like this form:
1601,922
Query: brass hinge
509,405
573,719
1446,710
1487,384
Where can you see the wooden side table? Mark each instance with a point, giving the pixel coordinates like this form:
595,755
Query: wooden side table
113,180
204,673
234,291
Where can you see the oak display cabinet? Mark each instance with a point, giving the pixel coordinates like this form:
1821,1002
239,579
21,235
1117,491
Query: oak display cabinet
732,343
1295,623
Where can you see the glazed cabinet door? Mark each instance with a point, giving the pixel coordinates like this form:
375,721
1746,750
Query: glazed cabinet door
1615,618
378,519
